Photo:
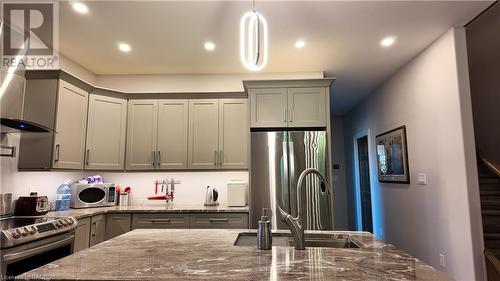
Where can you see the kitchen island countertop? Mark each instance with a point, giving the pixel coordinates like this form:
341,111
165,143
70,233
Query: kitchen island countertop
180,254
148,208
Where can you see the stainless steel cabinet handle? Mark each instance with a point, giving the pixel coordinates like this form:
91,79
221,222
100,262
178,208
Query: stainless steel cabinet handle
215,158
221,158
57,152
218,220
291,115
87,157
284,115
160,220
94,225
158,162
154,159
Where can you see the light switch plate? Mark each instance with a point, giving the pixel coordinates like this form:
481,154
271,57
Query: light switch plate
421,179
441,260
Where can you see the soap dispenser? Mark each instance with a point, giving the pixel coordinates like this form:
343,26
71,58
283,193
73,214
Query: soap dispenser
264,235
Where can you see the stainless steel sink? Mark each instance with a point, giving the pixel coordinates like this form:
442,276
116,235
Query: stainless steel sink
312,240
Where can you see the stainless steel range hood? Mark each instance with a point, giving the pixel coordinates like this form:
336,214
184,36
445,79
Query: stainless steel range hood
12,91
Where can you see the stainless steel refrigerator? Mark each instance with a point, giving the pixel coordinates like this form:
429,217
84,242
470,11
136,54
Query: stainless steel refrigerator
277,160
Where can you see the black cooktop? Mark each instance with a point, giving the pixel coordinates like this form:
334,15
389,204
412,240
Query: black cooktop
13,222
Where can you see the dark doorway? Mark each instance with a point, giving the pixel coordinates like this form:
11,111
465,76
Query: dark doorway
364,184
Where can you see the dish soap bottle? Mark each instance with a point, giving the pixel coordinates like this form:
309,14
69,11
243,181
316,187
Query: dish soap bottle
264,235
63,197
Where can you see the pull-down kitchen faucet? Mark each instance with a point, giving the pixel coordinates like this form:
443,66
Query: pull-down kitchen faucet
295,223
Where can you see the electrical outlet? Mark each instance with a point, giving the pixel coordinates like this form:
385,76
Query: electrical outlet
422,179
441,260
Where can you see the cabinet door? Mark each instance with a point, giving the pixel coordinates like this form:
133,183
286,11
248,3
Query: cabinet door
268,107
173,134
106,133
203,134
71,124
142,120
82,235
117,224
97,229
233,133
307,107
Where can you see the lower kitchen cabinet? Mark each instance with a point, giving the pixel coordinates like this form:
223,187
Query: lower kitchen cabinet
218,220
160,221
82,235
97,229
117,224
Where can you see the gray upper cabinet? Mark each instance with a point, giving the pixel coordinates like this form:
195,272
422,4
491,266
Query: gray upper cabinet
203,134
268,107
288,107
307,107
106,128
70,126
173,122
142,132
233,133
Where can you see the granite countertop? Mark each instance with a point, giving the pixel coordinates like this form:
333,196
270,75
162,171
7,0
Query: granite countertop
180,254
147,208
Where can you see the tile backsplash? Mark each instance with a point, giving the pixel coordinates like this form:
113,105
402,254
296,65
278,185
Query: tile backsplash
191,189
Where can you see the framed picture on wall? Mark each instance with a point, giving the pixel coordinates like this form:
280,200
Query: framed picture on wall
392,156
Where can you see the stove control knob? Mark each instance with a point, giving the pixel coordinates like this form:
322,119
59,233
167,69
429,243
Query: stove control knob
33,229
16,233
70,221
64,222
58,224
25,231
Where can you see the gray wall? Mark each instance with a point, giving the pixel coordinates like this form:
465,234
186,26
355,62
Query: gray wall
483,47
430,95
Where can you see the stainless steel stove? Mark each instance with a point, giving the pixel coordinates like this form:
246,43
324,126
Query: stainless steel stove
29,242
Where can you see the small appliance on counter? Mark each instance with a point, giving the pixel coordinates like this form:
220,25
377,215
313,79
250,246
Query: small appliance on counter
33,205
237,193
84,195
211,196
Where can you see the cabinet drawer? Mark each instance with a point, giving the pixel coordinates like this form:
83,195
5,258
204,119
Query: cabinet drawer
219,220
160,221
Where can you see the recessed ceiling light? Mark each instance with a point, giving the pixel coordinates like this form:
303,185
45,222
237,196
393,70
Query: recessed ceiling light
81,8
124,47
388,41
209,46
300,44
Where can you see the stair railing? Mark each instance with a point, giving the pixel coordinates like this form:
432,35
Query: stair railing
494,167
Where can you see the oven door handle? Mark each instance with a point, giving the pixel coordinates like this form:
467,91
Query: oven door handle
31,252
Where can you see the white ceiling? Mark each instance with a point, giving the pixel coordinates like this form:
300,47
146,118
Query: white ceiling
342,38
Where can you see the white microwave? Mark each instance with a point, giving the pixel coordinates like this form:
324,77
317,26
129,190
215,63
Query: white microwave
92,195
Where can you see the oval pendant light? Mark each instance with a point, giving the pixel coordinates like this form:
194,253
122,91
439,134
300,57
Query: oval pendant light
253,41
